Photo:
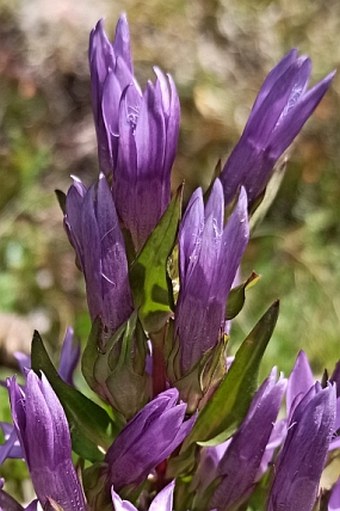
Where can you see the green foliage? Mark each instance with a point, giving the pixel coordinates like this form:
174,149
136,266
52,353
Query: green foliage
228,405
148,275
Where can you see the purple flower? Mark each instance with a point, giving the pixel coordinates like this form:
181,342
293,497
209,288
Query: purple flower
11,447
137,132
93,229
147,440
110,64
239,465
300,381
7,503
162,502
282,107
69,356
210,255
304,452
44,436
334,500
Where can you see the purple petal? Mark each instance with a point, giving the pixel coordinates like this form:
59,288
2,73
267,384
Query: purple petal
164,499
299,382
69,356
334,501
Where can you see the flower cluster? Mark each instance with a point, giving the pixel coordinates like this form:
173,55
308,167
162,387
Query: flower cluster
184,426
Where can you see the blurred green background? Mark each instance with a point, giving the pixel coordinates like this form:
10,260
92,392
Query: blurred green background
219,52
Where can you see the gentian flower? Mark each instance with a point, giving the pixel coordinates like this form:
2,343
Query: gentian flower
334,499
110,62
304,452
44,436
282,107
162,502
8,503
209,256
241,461
300,381
93,229
147,440
138,132
69,356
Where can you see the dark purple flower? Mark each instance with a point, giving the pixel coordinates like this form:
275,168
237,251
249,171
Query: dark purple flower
44,436
304,452
239,465
282,107
147,440
137,132
209,256
69,356
93,229
162,502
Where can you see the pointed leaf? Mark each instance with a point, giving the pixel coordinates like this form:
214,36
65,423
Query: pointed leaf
227,407
237,296
89,424
148,275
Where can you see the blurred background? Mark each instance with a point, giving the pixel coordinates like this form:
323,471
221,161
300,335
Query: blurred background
218,52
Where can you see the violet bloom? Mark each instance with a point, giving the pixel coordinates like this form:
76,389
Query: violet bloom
93,229
69,356
239,465
209,256
110,64
334,499
304,452
147,440
44,436
139,131
300,381
162,502
281,108
8,503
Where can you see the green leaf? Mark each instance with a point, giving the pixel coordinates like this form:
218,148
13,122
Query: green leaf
237,296
221,416
90,425
148,274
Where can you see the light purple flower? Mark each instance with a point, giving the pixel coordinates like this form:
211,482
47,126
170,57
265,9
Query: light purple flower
282,107
93,229
69,356
334,500
11,447
111,69
300,381
304,452
209,256
162,502
137,132
147,440
241,461
44,436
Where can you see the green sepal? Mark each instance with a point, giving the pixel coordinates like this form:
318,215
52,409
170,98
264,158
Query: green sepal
219,419
113,366
90,425
237,296
148,274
